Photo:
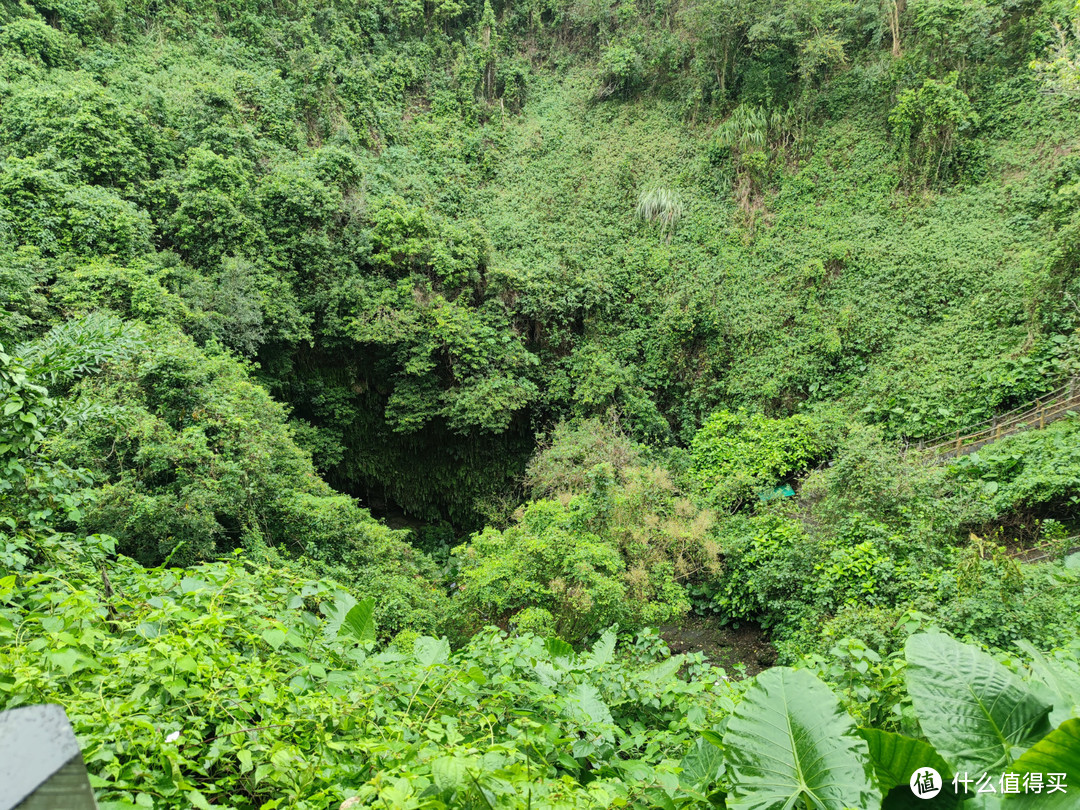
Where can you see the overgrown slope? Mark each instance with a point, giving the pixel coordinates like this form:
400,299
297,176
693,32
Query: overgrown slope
625,310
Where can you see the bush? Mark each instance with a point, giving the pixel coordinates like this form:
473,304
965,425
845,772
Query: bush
621,69
1037,472
766,575
932,125
36,40
620,553
97,222
563,461
138,291
192,460
734,455
41,497
83,130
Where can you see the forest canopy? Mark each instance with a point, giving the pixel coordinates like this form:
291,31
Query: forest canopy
462,404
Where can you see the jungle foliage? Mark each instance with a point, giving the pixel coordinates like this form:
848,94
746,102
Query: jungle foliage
375,378
233,684
435,232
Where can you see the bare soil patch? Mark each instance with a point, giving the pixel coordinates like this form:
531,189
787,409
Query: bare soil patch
724,646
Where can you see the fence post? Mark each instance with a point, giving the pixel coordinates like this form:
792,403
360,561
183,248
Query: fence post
958,441
997,428
1042,414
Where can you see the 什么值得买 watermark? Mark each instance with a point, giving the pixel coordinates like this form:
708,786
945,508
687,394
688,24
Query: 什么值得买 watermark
927,783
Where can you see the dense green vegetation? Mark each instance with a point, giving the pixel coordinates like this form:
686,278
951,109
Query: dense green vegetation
379,380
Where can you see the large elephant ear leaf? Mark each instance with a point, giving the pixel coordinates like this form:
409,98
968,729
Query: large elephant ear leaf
789,739
1056,756
895,759
701,766
1060,685
971,708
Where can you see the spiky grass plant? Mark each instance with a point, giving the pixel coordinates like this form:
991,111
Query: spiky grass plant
660,205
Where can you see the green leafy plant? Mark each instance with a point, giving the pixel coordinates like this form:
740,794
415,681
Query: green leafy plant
930,124
790,744
237,683
736,454
973,710
1058,752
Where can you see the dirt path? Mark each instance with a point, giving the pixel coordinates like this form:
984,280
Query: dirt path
725,647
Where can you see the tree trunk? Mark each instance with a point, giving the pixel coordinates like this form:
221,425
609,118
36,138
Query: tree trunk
893,11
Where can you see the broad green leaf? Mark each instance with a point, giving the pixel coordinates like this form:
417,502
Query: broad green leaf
546,674
714,738
664,670
635,770
896,757
983,801
789,739
659,800
970,707
603,650
192,585
587,704
334,610
1056,753
701,766
431,651
274,636
901,797
449,772
70,660
1062,684
359,622
557,648
476,675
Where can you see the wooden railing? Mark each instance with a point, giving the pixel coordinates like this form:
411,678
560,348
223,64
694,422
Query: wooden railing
1032,415
1034,555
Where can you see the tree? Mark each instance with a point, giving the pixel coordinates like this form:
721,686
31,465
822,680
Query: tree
929,124
40,495
1059,70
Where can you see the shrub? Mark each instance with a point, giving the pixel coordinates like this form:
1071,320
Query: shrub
83,130
930,125
766,575
1034,472
619,553
98,222
36,40
621,68
563,461
734,455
